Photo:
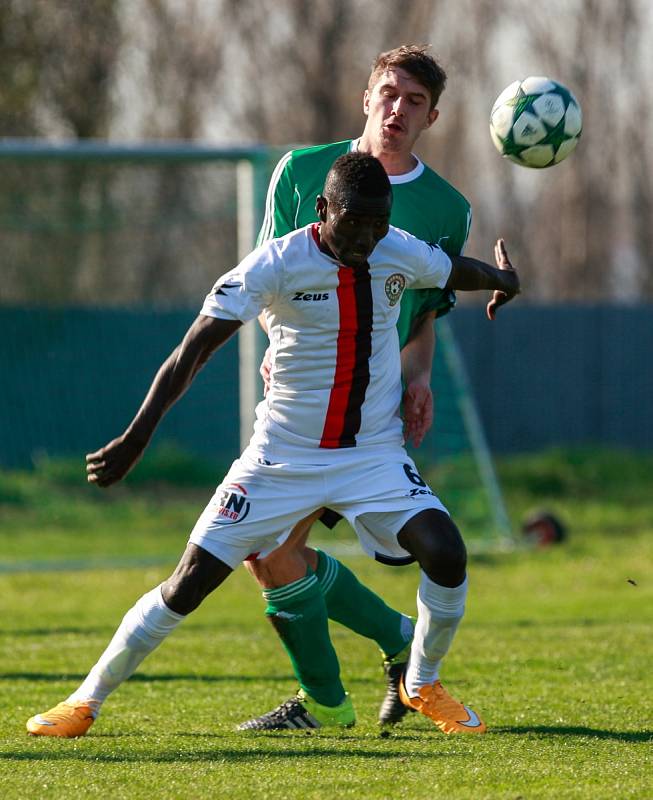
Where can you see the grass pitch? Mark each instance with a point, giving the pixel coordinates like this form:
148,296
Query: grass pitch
554,652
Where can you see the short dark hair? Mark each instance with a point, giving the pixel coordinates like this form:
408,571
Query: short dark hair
417,62
357,173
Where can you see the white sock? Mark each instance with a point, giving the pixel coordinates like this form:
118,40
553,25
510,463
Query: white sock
142,629
440,610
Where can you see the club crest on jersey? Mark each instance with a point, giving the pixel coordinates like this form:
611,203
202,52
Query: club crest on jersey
233,505
394,288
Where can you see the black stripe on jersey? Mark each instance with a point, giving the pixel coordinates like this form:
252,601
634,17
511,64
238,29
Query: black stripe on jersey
363,352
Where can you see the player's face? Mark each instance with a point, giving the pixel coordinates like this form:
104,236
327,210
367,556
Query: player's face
350,230
397,110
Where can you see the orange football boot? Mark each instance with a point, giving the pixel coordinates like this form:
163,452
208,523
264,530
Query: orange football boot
65,719
435,702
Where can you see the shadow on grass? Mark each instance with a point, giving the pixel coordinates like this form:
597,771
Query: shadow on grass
411,730
83,631
222,626
192,628
47,677
307,750
570,622
577,730
60,677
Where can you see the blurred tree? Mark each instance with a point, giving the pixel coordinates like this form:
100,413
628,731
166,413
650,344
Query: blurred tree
19,69
180,47
294,71
57,65
59,71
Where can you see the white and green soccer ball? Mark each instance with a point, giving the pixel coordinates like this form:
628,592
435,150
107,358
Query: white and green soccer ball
536,122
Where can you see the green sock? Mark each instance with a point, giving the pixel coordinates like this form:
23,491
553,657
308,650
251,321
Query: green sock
359,609
298,612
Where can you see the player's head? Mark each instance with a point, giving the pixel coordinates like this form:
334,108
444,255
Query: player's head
354,209
401,96
419,64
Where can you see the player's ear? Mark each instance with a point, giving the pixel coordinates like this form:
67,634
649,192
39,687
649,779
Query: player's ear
366,102
321,207
434,113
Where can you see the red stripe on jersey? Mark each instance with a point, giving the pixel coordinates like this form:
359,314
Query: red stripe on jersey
352,376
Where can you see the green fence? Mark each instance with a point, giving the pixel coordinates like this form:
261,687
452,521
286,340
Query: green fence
73,379
561,374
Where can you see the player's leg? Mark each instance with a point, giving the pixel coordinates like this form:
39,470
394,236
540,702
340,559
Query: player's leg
154,616
246,514
349,602
434,540
286,562
396,515
255,510
358,608
297,611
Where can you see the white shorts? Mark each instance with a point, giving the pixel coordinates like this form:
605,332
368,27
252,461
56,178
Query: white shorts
257,505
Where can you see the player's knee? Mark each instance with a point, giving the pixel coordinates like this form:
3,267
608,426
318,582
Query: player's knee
311,557
281,567
448,561
196,576
181,594
435,541
258,569
184,590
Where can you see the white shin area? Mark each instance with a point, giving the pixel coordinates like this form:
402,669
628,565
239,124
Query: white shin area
440,610
142,629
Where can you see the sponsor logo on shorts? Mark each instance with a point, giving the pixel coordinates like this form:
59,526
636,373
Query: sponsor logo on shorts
394,288
233,505
418,492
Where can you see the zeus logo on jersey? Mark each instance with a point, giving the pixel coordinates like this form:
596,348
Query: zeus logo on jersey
233,505
306,296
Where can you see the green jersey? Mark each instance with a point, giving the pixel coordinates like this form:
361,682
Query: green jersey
424,204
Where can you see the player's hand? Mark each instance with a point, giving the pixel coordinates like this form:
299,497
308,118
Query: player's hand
264,369
418,412
111,463
500,298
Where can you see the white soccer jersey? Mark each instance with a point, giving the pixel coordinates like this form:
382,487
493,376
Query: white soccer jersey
336,377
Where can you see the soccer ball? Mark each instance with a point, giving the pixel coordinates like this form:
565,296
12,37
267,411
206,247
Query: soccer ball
536,122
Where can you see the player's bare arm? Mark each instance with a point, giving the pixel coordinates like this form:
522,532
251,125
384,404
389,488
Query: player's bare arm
111,463
416,364
470,274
